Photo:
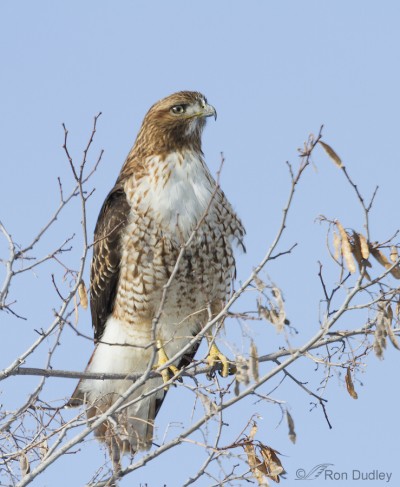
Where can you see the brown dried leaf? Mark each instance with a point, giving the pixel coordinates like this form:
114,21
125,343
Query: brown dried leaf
381,258
209,406
332,154
24,464
274,312
394,255
350,385
364,246
241,374
290,422
336,246
254,361
43,448
251,455
389,329
398,309
346,249
83,294
380,330
281,314
393,337
263,311
274,316
389,313
272,463
395,272
260,284
253,431
255,463
356,249
242,370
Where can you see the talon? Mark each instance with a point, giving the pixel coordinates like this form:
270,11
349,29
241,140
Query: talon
216,359
169,371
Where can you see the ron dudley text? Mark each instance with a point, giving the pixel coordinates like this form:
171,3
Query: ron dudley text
358,475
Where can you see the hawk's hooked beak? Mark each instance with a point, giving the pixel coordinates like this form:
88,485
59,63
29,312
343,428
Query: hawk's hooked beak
209,111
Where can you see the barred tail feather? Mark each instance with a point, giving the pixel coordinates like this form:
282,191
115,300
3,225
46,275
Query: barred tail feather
132,428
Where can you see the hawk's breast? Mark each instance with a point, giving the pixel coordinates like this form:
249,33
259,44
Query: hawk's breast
167,204
176,191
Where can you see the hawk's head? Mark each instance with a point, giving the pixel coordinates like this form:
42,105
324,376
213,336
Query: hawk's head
174,123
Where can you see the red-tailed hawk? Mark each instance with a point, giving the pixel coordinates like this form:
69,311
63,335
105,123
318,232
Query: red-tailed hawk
162,193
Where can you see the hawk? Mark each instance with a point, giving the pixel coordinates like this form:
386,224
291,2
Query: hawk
163,194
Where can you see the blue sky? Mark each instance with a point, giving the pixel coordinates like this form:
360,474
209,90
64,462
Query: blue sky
275,71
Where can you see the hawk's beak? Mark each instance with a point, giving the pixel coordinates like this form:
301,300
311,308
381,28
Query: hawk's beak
209,111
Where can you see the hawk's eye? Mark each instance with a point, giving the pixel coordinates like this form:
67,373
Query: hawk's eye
178,109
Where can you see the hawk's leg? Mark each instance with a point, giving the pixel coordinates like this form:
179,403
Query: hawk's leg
217,360
168,372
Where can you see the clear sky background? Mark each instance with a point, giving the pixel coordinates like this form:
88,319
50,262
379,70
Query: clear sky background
275,71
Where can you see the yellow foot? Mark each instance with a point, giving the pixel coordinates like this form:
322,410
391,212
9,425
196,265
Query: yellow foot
217,360
168,372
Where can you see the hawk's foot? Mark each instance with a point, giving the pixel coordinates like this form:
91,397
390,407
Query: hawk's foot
168,372
218,361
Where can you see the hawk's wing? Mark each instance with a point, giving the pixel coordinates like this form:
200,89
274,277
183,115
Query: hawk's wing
104,273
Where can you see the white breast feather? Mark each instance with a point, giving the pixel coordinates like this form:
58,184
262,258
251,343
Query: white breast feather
183,198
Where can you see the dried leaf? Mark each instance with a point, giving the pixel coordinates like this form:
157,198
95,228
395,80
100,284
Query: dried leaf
255,463
43,448
336,246
392,337
24,464
241,374
398,309
242,370
364,246
209,406
281,315
332,154
394,255
251,455
350,385
290,422
360,250
254,361
346,249
83,294
253,431
389,329
356,249
272,463
395,272
263,311
260,284
381,258
274,312
389,314
380,330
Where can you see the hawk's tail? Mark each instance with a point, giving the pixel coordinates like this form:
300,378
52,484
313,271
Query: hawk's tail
130,429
